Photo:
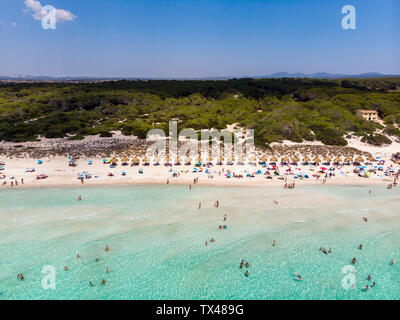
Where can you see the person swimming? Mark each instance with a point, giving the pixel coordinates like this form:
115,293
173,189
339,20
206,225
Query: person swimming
354,261
212,240
241,264
78,256
103,281
66,268
107,270
247,264
360,246
97,259
91,283
107,248
298,276
369,277
246,273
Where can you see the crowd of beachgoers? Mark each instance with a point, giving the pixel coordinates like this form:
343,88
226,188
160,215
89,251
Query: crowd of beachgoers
273,170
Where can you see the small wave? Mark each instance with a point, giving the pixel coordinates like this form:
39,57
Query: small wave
80,217
138,218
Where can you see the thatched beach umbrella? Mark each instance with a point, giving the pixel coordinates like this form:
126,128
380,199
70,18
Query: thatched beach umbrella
241,161
316,159
274,159
135,161
285,159
125,159
359,159
114,160
263,159
295,160
146,161
337,160
178,161
306,159
327,159
370,158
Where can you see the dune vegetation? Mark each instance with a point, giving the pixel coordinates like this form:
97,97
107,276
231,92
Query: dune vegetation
278,109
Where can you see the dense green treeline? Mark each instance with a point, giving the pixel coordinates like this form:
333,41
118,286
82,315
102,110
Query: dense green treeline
294,109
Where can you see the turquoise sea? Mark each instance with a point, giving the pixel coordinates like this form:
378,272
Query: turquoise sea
157,235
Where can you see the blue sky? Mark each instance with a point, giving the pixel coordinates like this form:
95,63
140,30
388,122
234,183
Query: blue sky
200,38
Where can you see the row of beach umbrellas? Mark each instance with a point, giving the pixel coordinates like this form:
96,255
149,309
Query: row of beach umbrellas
263,159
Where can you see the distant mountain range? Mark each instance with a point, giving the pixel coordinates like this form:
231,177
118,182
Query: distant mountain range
319,75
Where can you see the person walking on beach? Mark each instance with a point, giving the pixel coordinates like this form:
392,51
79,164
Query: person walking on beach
274,243
199,205
79,198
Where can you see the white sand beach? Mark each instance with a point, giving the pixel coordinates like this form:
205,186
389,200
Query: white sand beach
59,173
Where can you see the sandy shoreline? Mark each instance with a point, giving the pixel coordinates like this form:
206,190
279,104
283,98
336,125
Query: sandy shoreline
60,174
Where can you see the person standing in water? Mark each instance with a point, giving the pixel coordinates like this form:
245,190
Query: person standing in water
79,198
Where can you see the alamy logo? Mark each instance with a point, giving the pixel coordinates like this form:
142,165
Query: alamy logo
49,280
235,144
49,19
349,20
349,280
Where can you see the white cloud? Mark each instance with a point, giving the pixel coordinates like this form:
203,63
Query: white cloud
39,13
13,24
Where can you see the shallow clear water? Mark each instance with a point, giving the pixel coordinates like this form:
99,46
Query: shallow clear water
157,238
